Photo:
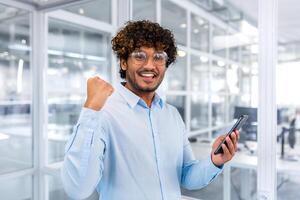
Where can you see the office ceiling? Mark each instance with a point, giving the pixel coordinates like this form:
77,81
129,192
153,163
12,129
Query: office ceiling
42,2
288,17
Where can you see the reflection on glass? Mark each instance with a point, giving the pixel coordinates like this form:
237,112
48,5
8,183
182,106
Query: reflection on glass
199,33
218,110
245,80
96,9
199,73
248,55
235,43
15,93
234,53
17,188
288,185
219,41
144,9
178,102
75,54
232,77
218,72
174,18
243,183
175,77
199,112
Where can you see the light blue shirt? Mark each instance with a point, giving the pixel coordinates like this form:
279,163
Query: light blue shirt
128,151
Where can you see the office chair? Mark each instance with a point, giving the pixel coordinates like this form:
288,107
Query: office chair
291,136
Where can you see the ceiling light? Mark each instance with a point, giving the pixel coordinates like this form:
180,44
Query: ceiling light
220,63
254,49
234,66
4,136
23,41
81,11
196,30
204,59
181,53
246,70
183,25
199,20
20,76
248,29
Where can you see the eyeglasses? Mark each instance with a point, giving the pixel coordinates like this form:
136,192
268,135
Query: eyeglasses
140,58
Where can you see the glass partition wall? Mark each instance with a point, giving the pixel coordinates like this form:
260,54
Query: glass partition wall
214,80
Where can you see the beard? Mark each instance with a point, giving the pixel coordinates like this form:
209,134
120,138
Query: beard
139,88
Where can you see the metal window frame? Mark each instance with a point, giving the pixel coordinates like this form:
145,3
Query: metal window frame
267,108
39,64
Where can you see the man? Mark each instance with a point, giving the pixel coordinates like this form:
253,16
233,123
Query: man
129,144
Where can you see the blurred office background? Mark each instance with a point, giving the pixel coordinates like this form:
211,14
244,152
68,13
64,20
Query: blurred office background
48,49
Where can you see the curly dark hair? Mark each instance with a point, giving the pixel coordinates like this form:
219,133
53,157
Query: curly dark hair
144,33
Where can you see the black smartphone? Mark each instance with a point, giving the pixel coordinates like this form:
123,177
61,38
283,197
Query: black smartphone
239,123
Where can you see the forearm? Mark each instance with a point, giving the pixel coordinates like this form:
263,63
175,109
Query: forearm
83,163
197,174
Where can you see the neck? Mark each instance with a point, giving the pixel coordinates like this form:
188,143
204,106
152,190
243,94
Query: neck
146,96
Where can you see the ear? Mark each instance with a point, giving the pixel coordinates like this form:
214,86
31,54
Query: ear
123,64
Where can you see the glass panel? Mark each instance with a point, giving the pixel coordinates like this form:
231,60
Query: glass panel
96,9
232,78
75,54
144,9
245,80
199,112
176,73
288,185
288,101
56,191
199,33
199,73
174,18
218,110
219,41
235,42
179,103
234,53
218,72
16,93
243,182
16,189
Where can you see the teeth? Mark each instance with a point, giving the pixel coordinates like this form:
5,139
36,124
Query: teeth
147,75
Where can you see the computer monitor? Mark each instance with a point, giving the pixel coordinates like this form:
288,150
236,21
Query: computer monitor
250,111
249,130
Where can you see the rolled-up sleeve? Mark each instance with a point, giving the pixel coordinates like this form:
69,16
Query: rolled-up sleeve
84,154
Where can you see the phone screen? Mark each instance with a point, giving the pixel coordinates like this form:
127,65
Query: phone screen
239,123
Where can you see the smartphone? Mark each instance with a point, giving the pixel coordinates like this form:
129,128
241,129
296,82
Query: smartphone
239,123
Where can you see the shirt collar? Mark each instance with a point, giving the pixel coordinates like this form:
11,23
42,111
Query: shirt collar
132,99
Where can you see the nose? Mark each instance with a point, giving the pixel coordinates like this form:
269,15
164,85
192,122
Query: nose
149,64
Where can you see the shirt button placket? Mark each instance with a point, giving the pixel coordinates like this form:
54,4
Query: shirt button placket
157,149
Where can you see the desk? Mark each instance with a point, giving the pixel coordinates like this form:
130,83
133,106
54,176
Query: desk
244,160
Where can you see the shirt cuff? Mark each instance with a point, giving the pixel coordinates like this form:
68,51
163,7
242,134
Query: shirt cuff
214,169
89,117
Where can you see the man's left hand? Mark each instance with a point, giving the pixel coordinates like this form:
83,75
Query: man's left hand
228,150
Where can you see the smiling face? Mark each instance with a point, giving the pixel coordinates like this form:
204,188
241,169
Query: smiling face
144,75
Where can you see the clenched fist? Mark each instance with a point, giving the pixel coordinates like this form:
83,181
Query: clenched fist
97,93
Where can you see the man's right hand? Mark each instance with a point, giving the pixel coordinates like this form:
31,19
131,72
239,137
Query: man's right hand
97,93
